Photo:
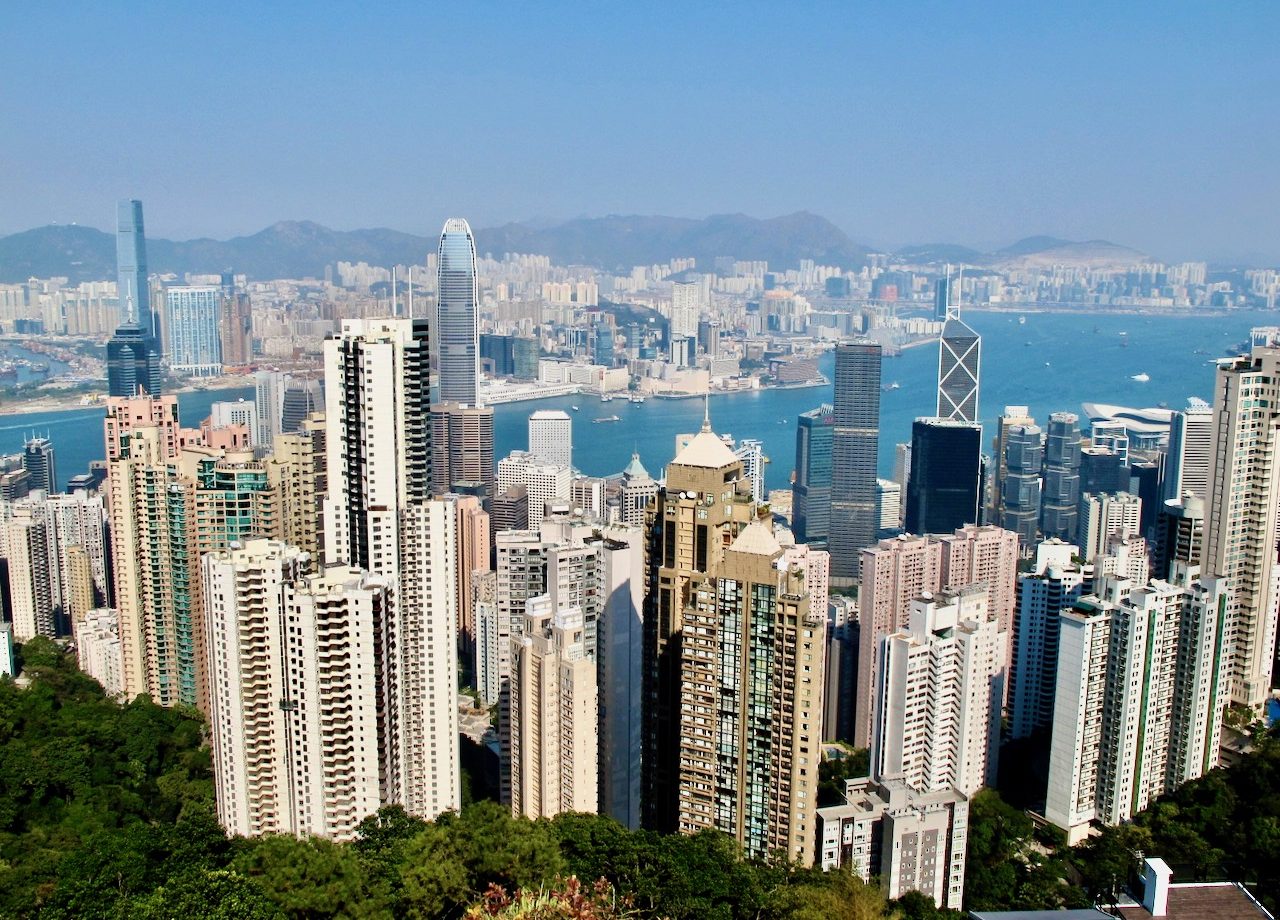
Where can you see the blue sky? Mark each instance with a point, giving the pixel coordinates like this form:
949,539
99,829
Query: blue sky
1153,125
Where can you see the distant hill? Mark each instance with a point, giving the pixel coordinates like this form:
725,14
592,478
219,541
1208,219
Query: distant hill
927,253
1031,252
300,249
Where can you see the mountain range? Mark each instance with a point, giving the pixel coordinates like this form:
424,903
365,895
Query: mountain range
301,249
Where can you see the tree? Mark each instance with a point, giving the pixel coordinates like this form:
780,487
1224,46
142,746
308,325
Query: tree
312,878
210,895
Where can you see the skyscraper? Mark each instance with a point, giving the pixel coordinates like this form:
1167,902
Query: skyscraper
1021,464
195,344
37,460
1061,495
1190,446
132,289
1012,415
854,446
551,436
1240,513
959,367
811,491
132,362
945,488
457,327
462,447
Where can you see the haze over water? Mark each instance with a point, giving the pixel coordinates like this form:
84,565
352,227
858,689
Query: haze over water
1083,366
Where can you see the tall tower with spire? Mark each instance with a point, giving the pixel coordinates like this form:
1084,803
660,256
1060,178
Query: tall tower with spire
959,359
133,360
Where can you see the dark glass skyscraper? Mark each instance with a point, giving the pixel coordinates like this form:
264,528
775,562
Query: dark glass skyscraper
457,327
131,267
945,487
132,362
37,460
854,445
811,492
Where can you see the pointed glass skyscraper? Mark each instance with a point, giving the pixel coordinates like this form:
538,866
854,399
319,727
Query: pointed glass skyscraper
959,360
131,267
457,327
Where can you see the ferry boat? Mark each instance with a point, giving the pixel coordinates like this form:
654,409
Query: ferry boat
1141,378
607,418
636,399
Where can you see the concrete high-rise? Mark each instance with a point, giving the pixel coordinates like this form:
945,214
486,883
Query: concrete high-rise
1104,516
195,343
1059,512
1179,534
132,290
461,447
636,490
1240,514
296,707
854,447
554,728
750,701
811,490
704,503
945,488
457,327
1186,468
551,436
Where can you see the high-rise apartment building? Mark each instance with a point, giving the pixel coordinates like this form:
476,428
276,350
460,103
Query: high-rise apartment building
811,490
1104,516
98,649
551,436
295,709
243,412
939,687
32,573
1179,534
1051,588
545,482
474,542
1141,686
1240,514
1061,496
1186,467
195,345
554,726
457,327
127,414
462,447
854,446
945,488
694,517
750,703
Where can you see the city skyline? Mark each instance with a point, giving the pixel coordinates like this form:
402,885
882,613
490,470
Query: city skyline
872,147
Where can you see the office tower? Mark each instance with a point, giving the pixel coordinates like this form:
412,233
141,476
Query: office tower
268,399
701,508
1053,587
908,840
543,481
1240,514
1146,476
1104,516
947,737
1111,434
474,541
888,507
457,326
942,297
959,367
1018,484
296,471
894,572
235,326
133,362
554,729
98,649
602,345
242,412
551,436
709,337
1061,496
620,675
750,714
15,481
295,705
945,488
194,344
588,495
125,415
38,461
379,517
132,289
509,509
683,350
1139,697
303,397
1012,416
636,490
462,446
1190,446
751,453
1102,469
811,490
1179,534
854,444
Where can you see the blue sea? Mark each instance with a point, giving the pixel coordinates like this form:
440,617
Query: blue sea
1053,362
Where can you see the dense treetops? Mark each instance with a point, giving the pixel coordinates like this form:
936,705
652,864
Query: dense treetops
106,811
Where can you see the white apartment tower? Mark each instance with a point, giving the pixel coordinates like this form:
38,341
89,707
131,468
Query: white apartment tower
1240,514
554,737
551,437
939,691
1104,516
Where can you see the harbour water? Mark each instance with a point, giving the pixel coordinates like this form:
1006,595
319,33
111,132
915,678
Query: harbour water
1052,362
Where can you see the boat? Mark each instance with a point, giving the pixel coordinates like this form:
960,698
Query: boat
1046,364
607,418
636,399
888,387
1028,344
574,408
1141,378
606,397
1022,320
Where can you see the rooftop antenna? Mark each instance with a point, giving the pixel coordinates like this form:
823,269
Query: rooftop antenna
706,412
410,292
395,306
131,317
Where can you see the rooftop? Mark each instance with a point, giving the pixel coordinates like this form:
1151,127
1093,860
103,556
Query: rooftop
1197,900
706,450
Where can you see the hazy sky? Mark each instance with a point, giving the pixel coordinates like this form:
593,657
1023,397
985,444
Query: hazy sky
1155,125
